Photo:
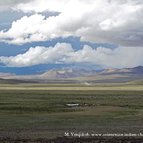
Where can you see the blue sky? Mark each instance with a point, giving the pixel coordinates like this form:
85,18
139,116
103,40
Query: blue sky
36,36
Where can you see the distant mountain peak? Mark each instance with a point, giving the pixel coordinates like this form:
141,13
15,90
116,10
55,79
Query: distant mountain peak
135,70
138,69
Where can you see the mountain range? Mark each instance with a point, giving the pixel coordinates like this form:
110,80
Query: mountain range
112,75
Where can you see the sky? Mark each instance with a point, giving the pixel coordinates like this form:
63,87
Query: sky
36,36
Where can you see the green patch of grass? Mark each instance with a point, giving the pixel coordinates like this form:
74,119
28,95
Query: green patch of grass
45,113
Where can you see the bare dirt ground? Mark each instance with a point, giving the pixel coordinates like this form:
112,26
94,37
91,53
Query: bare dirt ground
76,140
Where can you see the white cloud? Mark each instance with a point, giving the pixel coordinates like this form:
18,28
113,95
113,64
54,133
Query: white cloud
8,4
63,53
38,55
111,21
25,30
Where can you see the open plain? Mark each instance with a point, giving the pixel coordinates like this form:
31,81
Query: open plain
47,111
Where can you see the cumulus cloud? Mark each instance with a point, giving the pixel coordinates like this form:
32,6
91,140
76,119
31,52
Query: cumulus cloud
8,4
111,21
63,53
38,55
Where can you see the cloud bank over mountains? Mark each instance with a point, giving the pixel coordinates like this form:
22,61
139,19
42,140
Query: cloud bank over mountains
104,21
118,22
63,53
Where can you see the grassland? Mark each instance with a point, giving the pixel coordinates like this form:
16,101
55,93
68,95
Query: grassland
73,87
40,110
